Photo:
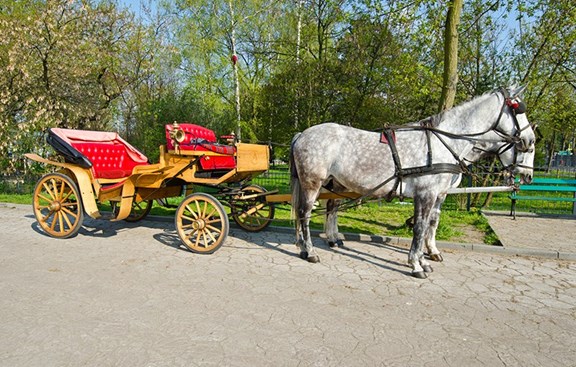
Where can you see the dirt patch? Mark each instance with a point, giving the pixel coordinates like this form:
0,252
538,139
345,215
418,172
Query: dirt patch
470,234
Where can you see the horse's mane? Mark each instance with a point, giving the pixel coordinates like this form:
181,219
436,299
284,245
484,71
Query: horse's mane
456,112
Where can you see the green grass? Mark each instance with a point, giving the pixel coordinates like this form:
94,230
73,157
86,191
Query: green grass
16,198
376,218
390,219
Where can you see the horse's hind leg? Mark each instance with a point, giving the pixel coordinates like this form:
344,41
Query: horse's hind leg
331,224
433,251
422,208
303,215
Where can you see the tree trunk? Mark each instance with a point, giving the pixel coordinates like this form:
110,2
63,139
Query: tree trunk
235,67
298,41
450,76
551,149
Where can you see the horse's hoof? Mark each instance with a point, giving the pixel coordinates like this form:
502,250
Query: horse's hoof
419,275
427,268
303,255
436,257
313,259
338,243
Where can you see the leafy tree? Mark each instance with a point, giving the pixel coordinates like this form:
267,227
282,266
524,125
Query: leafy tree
546,60
58,67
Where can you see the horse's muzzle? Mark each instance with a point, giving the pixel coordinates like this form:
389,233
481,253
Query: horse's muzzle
525,178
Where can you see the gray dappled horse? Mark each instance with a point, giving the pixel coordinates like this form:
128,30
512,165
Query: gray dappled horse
420,160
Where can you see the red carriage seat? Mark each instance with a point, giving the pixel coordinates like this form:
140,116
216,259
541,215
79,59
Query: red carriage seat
105,153
199,138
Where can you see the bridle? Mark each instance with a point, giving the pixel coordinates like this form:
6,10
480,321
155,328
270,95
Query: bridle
513,141
510,141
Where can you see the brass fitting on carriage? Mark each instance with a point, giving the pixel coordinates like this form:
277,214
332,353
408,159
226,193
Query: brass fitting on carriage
177,135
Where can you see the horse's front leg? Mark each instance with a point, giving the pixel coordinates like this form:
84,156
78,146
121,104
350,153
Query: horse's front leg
331,224
433,251
416,259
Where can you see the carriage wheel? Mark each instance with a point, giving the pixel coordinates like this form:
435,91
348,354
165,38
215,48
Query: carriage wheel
58,205
252,214
202,223
139,210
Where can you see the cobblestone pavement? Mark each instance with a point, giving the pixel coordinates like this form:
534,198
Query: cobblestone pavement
121,294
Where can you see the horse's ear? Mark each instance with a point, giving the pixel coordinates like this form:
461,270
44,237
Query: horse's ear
516,92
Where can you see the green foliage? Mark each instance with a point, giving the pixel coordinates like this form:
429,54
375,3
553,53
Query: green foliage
59,66
367,63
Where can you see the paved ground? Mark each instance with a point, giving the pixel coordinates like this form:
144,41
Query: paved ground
122,294
536,233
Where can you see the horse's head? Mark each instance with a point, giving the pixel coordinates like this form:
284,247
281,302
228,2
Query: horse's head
516,147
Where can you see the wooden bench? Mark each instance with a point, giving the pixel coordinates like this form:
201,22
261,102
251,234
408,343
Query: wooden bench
542,185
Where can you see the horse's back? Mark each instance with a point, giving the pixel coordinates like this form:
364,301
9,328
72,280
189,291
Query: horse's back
354,158
327,143
331,135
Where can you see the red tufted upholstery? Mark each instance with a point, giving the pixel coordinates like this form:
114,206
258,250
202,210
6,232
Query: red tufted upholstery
109,160
199,138
111,156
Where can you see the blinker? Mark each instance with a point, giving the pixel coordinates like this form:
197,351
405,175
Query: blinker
519,107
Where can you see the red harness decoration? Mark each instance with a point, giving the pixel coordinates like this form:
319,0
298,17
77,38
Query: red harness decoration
384,137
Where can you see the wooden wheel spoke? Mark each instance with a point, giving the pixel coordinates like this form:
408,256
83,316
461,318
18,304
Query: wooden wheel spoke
204,239
189,234
211,236
215,229
211,213
70,212
204,210
62,187
65,198
198,208
188,218
42,207
54,220
192,211
252,213
66,219
59,214
215,220
49,191
47,216
197,239
138,206
40,196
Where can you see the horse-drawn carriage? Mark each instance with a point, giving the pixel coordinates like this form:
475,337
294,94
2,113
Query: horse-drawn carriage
99,167
422,160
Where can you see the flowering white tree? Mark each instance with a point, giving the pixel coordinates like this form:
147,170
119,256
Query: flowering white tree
59,66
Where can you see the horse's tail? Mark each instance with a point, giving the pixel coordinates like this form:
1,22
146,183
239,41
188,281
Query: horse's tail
295,187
